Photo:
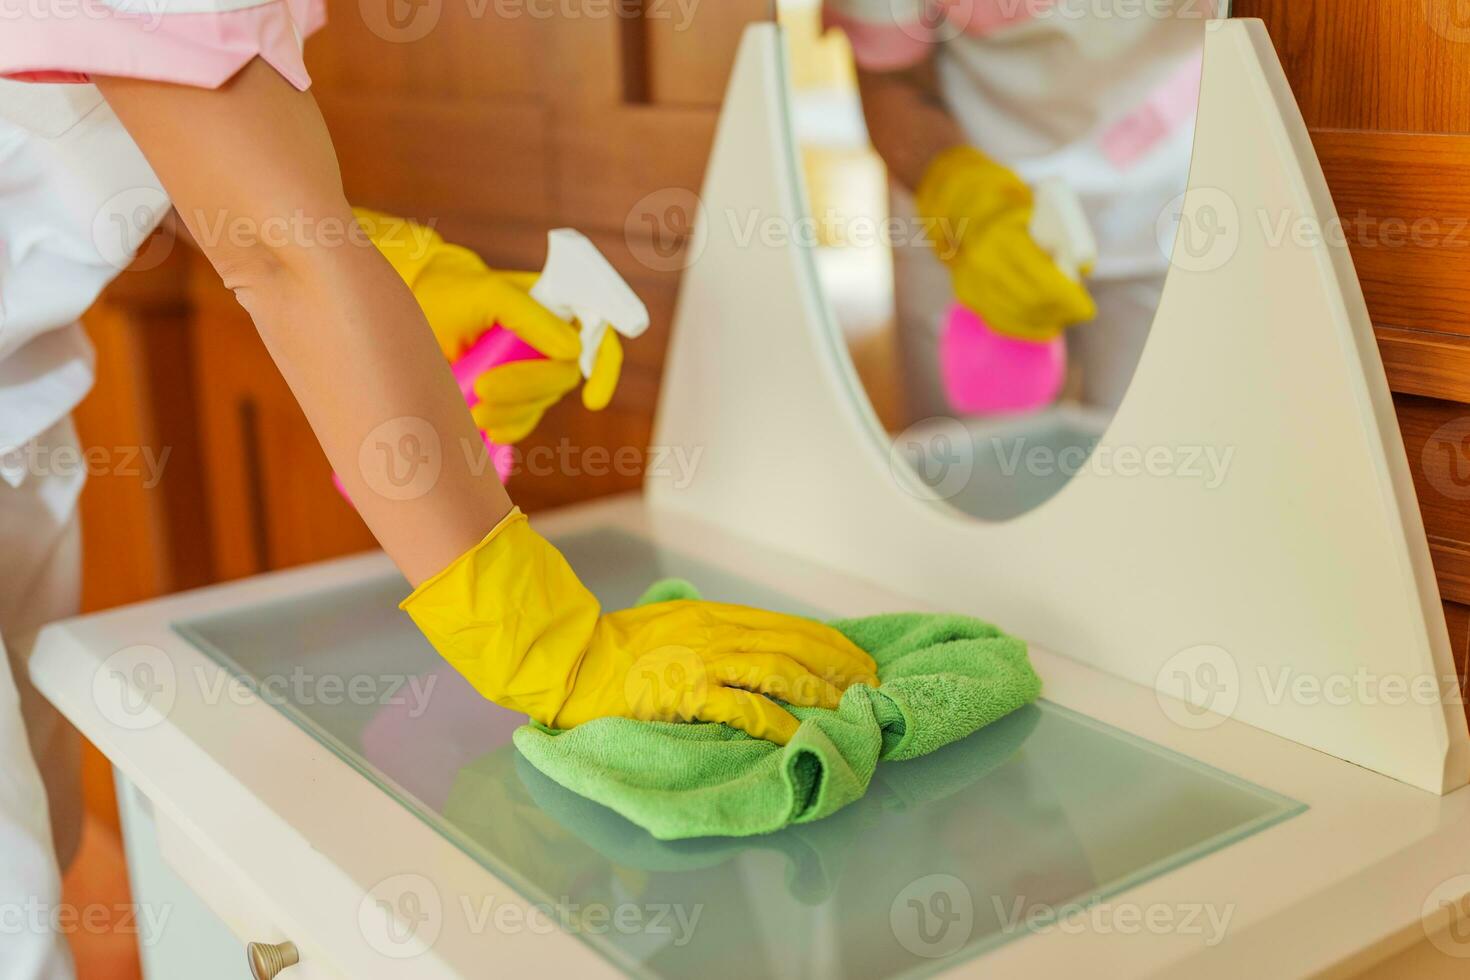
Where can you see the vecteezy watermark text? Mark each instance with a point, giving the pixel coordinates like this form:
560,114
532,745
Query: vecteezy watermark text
1205,920
34,916
39,459
403,915
1208,464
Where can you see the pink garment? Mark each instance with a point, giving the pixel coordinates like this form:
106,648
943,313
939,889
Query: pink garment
882,45
892,35
981,18
71,40
1169,107
903,36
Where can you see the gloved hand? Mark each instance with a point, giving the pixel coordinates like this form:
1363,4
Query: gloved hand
462,297
980,216
511,616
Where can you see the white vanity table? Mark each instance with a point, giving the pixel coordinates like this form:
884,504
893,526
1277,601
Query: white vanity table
296,765
293,821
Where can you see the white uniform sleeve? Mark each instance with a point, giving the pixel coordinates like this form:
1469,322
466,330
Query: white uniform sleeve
74,208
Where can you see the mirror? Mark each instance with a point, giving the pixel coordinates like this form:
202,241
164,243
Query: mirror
993,190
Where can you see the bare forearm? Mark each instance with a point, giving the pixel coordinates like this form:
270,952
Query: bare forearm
252,173
907,120
353,345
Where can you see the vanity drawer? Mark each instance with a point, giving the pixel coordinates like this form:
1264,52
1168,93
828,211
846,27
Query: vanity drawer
1437,438
201,915
1423,362
1457,617
1403,201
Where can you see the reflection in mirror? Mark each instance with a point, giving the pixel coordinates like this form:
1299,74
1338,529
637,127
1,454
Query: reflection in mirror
993,190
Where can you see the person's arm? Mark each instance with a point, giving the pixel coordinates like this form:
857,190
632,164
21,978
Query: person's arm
252,173
907,120
977,211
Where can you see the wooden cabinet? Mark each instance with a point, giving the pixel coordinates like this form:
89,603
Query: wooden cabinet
269,486
1384,86
142,507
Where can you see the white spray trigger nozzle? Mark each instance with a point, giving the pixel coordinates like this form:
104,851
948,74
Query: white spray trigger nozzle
578,282
1060,227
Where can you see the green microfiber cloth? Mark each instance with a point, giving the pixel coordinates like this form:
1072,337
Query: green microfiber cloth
941,677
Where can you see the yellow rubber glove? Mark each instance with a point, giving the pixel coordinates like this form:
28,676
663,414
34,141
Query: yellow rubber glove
462,297
979,213
512,617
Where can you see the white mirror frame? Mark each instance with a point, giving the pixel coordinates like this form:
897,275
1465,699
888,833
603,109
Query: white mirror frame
1277,597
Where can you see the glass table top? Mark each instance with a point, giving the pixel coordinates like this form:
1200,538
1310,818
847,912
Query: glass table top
1040,815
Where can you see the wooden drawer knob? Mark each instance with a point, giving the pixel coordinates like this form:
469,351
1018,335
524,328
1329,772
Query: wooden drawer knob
269,959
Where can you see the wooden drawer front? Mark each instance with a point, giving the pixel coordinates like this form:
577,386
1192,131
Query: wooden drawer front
1422,363
1457,617
1437,439
1403,200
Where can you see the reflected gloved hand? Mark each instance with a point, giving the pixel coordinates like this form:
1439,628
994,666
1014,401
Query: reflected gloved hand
462,298
979,214
511,616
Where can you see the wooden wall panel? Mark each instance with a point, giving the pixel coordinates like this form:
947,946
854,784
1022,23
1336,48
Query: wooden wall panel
638,119
1373,64
438,49
488,160
618,163
691,48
